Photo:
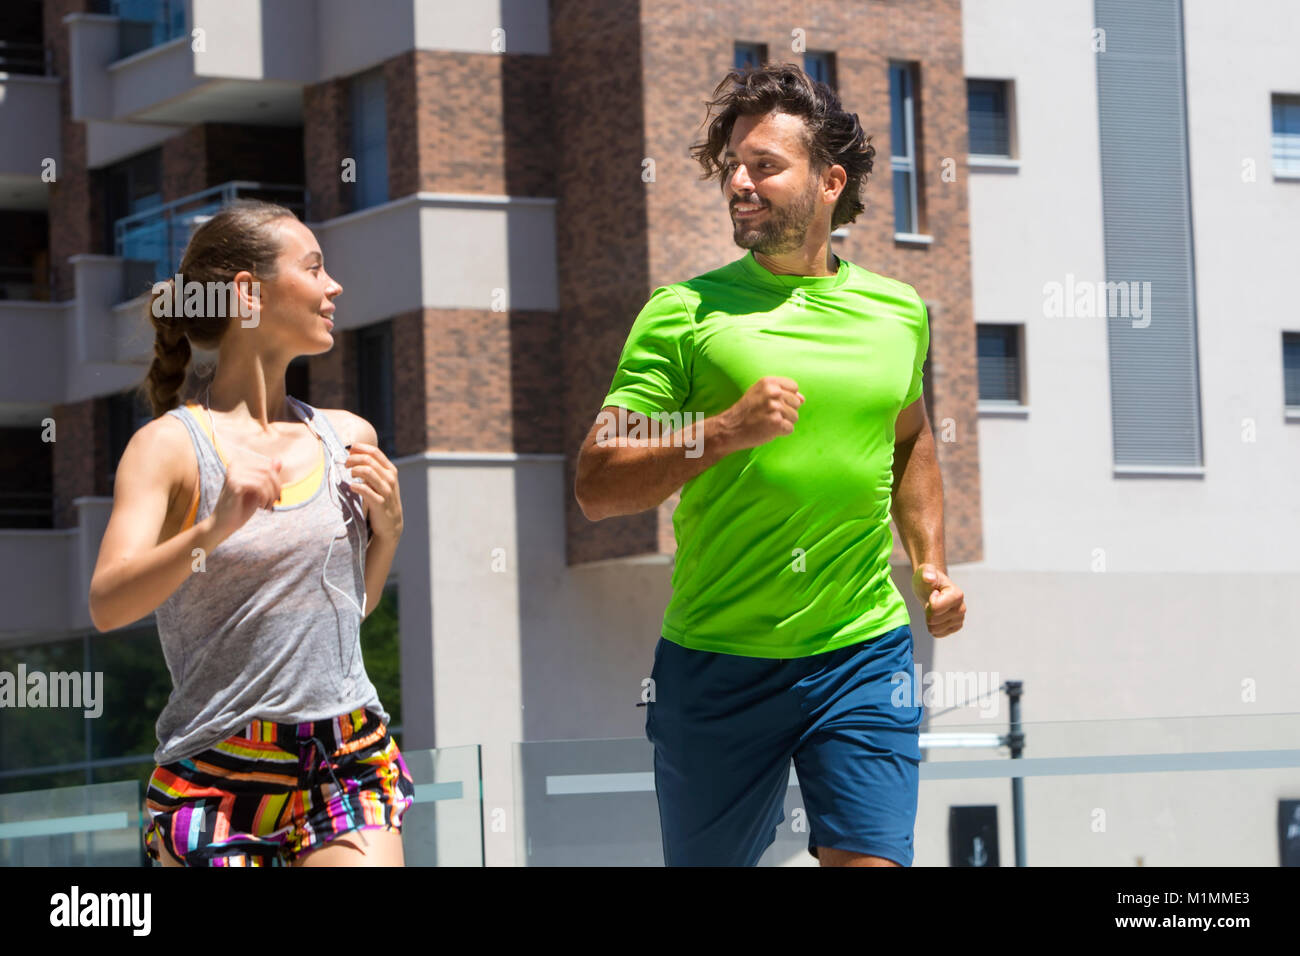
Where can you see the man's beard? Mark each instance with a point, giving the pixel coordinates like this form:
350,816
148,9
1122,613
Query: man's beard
782,230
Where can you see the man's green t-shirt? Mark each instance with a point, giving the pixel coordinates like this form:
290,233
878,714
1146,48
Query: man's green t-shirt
783,550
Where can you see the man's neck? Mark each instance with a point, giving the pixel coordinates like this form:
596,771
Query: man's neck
816,261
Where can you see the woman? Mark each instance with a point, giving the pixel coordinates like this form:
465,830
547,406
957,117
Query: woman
250,541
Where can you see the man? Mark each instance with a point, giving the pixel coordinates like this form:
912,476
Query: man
799,374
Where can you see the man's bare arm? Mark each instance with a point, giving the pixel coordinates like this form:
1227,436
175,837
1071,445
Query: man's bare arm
918,489
618,475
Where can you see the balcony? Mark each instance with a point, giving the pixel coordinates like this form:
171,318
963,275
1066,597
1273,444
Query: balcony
154,240
192,61
52,569
29,129
100,341
441,251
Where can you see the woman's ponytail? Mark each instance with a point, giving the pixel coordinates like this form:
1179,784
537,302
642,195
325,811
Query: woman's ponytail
171,351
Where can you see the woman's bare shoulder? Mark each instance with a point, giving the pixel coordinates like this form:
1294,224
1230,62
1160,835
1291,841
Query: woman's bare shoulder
350,426
161,449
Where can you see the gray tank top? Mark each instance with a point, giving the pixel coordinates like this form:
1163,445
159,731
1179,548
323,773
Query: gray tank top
257,634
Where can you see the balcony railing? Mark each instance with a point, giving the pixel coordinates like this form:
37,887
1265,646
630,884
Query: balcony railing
1218,790
22,509
17,282
101,824
147,23
156,237
29,58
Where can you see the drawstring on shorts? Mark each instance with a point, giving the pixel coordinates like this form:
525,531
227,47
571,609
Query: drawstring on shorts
330,767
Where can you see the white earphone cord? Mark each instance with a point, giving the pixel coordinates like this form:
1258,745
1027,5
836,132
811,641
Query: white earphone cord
361,550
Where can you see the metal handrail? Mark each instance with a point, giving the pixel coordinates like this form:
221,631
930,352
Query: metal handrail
33,59
186,212
227,191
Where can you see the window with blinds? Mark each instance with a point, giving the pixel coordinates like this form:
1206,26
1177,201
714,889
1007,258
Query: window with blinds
1146,218
1286,134
998,355
989,117
1291,369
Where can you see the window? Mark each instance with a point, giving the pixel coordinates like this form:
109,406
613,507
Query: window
1286,134
1146,204
1291,368
998,350
988,114
369,140
127,412
375,381
26,479
902,140
130,186
820,66
750,55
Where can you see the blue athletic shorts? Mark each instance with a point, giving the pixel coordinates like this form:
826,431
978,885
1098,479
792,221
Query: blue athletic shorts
725,727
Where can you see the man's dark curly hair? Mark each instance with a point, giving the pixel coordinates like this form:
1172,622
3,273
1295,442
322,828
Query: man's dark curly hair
834,136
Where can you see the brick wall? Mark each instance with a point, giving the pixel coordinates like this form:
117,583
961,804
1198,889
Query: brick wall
458,122
184,163
325,134
473,380
484,124
602,242
410,417
71,224
75,458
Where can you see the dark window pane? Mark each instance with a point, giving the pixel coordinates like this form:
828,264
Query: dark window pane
750,55
1291,366
903,201
127,412
999,363
369,139
375,381
899,93
987,114
130,186
1286,134
820,67
26,478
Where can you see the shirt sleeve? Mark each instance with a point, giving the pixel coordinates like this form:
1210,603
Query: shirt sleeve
922,346
654,371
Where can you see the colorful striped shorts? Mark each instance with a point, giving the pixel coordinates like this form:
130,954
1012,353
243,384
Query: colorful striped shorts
275,791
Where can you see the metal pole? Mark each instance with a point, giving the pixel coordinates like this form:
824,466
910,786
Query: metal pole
1016,741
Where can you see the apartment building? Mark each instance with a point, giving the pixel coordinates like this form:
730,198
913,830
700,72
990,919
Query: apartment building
1136,458
500,186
